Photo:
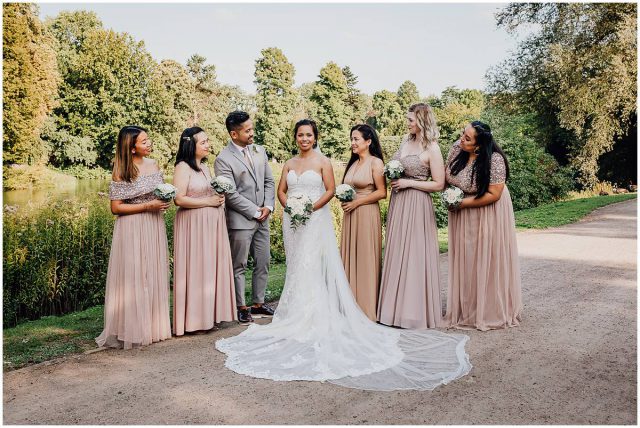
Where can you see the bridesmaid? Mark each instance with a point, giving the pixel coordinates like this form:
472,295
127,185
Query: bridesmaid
484,274
361,242
203,290
136,306
410,288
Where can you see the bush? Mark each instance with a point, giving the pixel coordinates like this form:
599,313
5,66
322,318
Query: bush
535,176
55,257
83,172
19,177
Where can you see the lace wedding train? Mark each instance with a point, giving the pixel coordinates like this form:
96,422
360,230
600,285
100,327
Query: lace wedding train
320,334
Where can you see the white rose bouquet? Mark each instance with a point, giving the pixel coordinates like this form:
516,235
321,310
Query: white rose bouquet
452,197
300,208
345,193
393,170
222,185
165,192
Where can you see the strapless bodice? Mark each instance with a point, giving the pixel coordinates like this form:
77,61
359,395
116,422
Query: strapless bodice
309,183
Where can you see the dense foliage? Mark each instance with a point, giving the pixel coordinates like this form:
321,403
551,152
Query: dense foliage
577,75
275,101
29,82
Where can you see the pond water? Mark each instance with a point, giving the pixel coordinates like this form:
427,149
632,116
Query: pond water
81,189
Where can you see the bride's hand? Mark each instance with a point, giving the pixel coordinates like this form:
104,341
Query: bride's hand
347,207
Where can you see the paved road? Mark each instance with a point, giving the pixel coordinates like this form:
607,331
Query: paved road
572,361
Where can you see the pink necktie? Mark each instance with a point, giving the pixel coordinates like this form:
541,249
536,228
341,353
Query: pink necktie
247,157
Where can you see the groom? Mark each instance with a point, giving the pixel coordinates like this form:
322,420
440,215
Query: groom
248,210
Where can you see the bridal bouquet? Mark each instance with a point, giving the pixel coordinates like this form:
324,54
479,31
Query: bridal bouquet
393,170
165,192
452,197
345,193
300,208
222,185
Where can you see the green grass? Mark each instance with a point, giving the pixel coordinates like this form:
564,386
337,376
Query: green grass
560,213
275,283
443,241
55,336
50,337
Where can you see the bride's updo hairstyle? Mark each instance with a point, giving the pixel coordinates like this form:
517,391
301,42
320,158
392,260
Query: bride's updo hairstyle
310,123
426,121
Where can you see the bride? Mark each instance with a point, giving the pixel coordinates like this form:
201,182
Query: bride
318,332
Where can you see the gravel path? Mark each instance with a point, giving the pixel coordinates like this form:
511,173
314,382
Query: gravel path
572,361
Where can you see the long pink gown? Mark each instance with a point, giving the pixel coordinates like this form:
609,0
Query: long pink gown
484,272
410,288
203,288
136,307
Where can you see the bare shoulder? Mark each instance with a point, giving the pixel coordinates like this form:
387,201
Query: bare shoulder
182,166
433,151
377,163
323,160
288,165
325,163
151,165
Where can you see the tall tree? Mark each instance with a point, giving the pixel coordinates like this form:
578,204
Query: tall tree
389,116
212,101
107,83
454,109
203,73
355,100
407,95
276,101
333,114
577,72
174,91
29,82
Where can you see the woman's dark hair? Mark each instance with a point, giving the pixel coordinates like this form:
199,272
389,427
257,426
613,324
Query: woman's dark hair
310,123
368,133
123,167
235,119
481,170
187,147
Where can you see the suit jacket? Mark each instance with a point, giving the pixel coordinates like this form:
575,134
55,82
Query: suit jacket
254,189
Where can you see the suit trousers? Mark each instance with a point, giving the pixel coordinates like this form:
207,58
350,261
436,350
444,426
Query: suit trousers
255,242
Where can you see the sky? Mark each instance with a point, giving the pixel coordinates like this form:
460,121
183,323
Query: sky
434,45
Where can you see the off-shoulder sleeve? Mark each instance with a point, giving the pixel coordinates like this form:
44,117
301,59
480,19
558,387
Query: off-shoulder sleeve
120,190
498,169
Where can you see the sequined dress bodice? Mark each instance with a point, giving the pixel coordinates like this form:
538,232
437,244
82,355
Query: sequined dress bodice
414,169
138,191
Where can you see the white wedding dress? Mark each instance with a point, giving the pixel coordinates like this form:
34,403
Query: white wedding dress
319,333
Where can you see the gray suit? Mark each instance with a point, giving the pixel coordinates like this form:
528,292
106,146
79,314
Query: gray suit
254,189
